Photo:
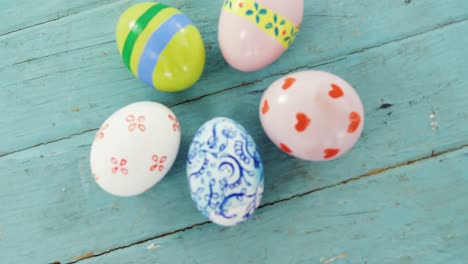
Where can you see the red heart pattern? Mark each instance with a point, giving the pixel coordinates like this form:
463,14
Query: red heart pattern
336,91
303,121
330,153
265,107
285,148
288,83
355,121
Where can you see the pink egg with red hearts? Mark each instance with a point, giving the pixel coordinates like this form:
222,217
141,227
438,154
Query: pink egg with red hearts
254,34
312,115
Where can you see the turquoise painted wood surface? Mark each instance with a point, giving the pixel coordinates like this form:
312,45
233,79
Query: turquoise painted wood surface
399,197
378,219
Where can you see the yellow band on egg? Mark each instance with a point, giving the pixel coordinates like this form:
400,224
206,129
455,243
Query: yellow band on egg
275,25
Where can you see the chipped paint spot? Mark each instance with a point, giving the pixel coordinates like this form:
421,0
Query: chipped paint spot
434,123
84,256
385,106
75,110
152,246
331,260
375,171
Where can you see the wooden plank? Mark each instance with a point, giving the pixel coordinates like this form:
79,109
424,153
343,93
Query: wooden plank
52,210
69,74
412,214
13,12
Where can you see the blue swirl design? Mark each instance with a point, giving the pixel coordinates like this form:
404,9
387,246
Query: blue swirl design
225,172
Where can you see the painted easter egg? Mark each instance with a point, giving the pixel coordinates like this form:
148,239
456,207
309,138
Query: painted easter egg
135,148
161,46
254,33
225,172
312,115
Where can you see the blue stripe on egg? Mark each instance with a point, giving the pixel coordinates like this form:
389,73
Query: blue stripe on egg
157,43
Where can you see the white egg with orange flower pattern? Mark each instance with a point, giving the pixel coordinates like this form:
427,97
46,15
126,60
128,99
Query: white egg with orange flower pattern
312,115
135,148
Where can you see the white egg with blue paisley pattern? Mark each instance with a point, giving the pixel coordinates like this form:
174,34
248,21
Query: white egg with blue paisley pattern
225,172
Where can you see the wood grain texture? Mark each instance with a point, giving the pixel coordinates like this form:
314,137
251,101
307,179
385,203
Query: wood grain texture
72,64
52,184
21,15
413,214
61,79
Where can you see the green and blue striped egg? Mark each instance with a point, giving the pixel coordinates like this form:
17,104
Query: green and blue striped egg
161,46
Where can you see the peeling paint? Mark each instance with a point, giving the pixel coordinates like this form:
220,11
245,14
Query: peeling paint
152,246
84,256
375,171
434,123
331,260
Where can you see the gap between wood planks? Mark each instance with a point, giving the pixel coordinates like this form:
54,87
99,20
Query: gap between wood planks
372,173
354,52
173,105
55,19
337,59
59,53
63,16
97,7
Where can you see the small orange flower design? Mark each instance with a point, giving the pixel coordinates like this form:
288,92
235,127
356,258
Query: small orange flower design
100,134
176,125
135,123
119,166
158,163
